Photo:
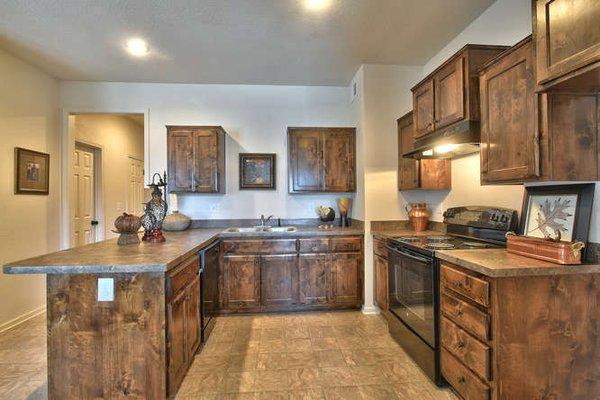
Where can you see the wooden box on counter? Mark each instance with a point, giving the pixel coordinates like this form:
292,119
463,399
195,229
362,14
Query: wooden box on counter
556,252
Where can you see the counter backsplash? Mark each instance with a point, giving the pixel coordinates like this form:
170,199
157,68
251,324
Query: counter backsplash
248,222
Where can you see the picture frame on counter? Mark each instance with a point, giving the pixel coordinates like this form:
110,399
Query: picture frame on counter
32,172
557,212
257,171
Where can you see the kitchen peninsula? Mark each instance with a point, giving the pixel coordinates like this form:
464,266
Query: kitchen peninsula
124,320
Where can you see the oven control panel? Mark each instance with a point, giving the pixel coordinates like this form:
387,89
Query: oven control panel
503,219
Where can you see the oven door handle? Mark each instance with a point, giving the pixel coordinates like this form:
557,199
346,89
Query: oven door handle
413,257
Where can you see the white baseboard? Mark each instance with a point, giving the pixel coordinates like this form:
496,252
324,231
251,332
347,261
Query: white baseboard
22,318
369,310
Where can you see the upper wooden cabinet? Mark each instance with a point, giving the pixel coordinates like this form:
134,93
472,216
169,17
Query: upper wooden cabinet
509,140
196,159
418,174
567,40
450,94
321,160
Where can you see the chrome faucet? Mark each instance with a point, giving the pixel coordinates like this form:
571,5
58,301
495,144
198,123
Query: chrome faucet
264,220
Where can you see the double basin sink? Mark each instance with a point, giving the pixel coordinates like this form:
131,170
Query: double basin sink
258,229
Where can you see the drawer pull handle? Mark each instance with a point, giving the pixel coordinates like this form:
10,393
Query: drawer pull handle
461,379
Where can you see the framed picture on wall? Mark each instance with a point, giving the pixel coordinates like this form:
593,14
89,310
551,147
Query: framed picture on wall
32,172
257,171
558,212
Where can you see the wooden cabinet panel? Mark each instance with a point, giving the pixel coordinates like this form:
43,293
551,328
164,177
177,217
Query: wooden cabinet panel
278,280
466,348
449,94
380,247
509,139
423,109
408,168
192,320
241,281
313,245
321,160
344,244
380,268
435,174
345,271
466,316
183,275
176,344
465,284
466,383
260,246
181,160
567,37
314,280
206,153
338,165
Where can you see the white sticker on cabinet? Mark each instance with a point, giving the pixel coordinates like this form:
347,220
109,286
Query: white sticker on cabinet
106,289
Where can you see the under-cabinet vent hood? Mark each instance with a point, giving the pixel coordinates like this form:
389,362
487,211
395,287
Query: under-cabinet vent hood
454,141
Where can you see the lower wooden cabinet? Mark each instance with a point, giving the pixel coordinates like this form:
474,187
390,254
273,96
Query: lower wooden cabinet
314,279
380,274
345,279
241,282
278,280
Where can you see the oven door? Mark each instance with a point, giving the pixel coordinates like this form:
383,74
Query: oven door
411,287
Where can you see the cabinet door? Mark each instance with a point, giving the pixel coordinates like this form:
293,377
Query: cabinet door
206,160
192,319
567,35
423,109
435,174
242,282
408,168
338,160
345,273
381,282
181,161
177,350
314,278
305,160
509,141
279,285
449,94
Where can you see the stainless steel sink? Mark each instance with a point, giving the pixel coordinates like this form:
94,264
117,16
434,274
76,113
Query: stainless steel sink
256,229
281,229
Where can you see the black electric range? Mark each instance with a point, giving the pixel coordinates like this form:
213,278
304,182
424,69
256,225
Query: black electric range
413,277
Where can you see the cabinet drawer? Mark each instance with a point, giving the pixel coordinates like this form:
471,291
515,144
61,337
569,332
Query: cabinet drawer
272,246
184,274
466,316
469,286
346,244
466,348
313,245
379,247
466,383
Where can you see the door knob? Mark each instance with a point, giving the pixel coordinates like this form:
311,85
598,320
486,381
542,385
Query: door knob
94,222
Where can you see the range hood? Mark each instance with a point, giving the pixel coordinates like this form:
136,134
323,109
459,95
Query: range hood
450,142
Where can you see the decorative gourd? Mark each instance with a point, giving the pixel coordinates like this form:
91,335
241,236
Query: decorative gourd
128,223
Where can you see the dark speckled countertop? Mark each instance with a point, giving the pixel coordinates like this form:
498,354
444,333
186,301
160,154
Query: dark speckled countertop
108,257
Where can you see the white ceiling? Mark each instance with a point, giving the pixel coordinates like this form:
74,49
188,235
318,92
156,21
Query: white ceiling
229,41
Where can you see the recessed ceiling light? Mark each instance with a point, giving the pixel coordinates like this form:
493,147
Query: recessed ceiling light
137,47
317,5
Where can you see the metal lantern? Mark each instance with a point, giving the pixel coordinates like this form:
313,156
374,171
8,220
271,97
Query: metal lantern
155,211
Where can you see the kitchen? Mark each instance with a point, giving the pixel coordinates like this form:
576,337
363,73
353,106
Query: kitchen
263,119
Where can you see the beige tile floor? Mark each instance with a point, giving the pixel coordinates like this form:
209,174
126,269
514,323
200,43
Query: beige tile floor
342,355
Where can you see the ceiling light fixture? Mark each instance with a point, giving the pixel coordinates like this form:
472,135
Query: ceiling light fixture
317,5
137,47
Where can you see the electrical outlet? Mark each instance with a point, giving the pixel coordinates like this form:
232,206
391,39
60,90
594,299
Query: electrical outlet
106,289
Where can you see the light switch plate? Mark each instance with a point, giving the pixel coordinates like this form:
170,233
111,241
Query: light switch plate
106,289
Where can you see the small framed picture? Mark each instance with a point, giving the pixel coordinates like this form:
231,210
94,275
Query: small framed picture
32,172
560,212
257,171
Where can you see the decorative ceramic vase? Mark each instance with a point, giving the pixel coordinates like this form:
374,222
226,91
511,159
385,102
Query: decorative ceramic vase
127,226
176,222
326,214
344,204
418,215
155,212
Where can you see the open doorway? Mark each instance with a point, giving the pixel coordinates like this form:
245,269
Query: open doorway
106,173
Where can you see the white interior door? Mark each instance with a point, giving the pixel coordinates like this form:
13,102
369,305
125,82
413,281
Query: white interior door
83,229
135,189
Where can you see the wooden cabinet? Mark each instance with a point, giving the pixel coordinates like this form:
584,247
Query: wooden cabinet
567,41
380,274
450,94
321,160
419,174
499,341
290,274
509,137
183,320
196,159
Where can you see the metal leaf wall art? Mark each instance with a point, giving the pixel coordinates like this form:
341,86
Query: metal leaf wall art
551,218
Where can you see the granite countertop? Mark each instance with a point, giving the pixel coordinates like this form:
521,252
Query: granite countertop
391,233
497,263
108,257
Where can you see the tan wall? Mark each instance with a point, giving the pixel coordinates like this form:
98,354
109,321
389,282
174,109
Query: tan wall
29,224
118,137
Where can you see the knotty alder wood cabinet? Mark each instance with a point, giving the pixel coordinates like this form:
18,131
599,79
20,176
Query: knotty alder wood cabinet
567,41
520,337
321,160
196,159
380,272
450,94
419,174
292,273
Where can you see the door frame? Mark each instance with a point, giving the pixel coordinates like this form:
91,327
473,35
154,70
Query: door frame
67,146
96,149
